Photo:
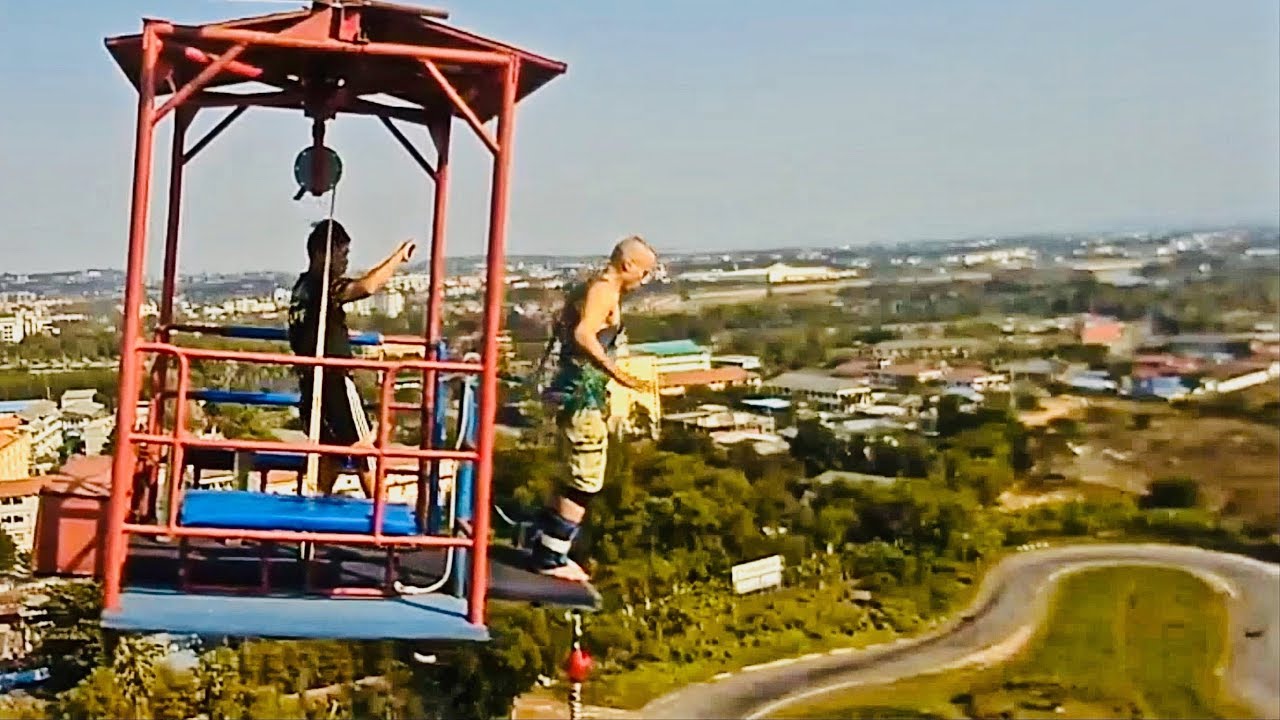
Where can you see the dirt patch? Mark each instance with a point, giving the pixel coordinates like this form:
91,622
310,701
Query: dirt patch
1127,445
1014,500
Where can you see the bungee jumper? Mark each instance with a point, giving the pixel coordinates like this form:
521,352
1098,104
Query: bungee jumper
587,331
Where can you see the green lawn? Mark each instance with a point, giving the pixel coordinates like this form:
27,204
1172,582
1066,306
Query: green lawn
1128,642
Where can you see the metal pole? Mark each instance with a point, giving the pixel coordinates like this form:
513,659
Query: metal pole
494,287
130,364
440,134
160,378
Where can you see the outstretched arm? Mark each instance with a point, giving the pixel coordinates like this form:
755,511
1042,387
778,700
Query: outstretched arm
601,299
373,280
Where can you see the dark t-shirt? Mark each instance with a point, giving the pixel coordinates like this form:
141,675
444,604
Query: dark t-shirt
304,315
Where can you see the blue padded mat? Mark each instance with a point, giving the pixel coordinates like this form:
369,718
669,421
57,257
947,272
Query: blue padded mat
247,332
248,397
419,617
243,510
217,459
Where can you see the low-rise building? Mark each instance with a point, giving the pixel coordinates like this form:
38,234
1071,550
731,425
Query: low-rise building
15,451
750,363
978,379
718,378
19,505
720,417
905,375
1236,376
671,355
837,393
627,406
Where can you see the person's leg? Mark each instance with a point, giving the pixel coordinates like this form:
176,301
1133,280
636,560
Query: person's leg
363,433
585,440
343,422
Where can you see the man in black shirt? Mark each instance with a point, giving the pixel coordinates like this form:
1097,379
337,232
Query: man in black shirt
342,417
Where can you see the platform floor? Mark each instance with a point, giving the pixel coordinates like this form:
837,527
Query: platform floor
153,564
422,617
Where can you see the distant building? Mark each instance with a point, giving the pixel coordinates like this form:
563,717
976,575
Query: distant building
1096,330
12,329
930,348
904,375
775,274
678,383
672,355
625,403
978,379
15,452
844,394
1096,381
19,505
749,363
1236,376
714,418
1035,369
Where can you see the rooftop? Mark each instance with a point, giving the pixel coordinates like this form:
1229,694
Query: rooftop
668,348
704,377
814,382
21,488
339,44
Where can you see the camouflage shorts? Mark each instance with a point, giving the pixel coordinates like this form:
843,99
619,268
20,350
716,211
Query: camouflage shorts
584,440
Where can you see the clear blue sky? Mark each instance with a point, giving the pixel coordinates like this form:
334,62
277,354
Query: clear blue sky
703,124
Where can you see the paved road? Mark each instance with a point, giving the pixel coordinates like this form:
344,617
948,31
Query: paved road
1013,597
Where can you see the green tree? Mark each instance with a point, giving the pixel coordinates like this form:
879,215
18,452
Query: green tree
71,646
134,667
8,553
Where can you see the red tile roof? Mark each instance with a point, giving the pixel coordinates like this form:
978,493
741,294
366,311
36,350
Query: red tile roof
688,378
21,488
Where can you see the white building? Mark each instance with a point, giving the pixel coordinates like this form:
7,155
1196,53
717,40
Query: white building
12,329
774,274
746,362
19,504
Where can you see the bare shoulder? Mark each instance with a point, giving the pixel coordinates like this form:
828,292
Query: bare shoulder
602,292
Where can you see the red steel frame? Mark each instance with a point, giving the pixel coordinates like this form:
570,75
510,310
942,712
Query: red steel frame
162,40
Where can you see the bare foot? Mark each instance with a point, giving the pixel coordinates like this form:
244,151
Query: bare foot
570,571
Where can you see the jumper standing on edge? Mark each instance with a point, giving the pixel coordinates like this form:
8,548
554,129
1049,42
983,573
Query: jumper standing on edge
587,330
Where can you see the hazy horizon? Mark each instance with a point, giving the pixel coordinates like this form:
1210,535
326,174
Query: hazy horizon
713,127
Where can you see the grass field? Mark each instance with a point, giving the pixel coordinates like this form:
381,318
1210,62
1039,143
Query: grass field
1120,643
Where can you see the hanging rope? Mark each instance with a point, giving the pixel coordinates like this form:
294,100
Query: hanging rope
578,666
322,327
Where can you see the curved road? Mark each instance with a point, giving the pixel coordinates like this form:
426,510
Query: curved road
1013,598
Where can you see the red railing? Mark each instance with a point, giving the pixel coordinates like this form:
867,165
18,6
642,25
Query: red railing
178,440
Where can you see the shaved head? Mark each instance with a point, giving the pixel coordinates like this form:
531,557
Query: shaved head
634,260
633,248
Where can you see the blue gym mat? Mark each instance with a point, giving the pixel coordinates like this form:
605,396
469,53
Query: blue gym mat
243,510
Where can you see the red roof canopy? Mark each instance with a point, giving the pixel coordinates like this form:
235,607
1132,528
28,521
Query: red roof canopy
355,22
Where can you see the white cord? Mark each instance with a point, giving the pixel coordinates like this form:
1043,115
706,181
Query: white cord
317,372
464,418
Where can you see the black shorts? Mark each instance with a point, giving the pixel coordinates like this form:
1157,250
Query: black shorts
342,417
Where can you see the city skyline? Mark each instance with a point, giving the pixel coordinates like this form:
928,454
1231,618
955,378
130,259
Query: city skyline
1141,116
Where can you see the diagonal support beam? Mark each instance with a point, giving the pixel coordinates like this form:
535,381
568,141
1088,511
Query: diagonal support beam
463,108
408,146
214,132
199,81
312,25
